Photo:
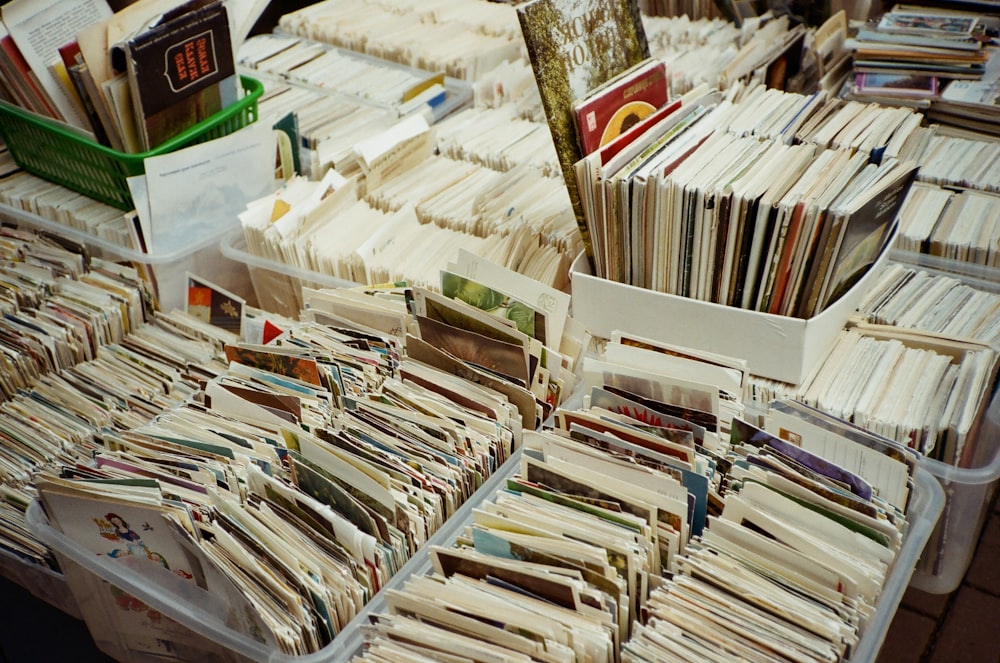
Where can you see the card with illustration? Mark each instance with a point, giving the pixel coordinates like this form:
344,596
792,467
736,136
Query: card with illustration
210,303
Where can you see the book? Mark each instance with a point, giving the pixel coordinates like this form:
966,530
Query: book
40,28
896,85
931,24
23,80
621,103
181,71
77,71
574,47
859,233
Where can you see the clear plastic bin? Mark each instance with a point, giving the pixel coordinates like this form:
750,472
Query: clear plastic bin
278,287
977,276
199,256
968,493
48,585
968,489
186,623
191,622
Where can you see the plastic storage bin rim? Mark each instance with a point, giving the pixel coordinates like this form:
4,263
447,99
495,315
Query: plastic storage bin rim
977,276
984,474
460,93
349,642
926,507
233,246
38,222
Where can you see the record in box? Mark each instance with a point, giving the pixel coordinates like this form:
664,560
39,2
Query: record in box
621,103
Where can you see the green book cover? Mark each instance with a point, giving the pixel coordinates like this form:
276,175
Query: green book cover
574,47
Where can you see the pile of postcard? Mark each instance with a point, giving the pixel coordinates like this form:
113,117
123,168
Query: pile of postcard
511,82
465,41
640,525
381,83
84,356
771,49
868,378
794,564
299,478
321,128
772,55
936,302
695,51
959,225
368,230
908,55
499,138
688,201
959,161
24,191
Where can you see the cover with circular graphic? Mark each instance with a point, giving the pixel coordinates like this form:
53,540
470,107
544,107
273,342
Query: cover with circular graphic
613,108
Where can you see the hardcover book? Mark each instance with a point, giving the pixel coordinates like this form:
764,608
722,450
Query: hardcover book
574,47
181,71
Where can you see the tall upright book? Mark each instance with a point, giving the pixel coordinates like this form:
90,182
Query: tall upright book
181,70
574,47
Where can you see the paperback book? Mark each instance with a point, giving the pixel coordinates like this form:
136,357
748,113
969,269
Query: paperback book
181,71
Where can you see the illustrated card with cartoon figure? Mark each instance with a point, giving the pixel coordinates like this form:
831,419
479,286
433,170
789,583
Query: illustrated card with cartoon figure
133,533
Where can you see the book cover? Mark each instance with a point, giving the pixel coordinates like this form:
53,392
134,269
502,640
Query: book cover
864,234
575,46
612,109
181,71
18,72
896,85
76,70
946,25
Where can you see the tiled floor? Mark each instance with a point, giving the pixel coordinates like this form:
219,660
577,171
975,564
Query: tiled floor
962,627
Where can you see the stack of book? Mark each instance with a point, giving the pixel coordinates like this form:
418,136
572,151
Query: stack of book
909,55
131,79
971,104
675,210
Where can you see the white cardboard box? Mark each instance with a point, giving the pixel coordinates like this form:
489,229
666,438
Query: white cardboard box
774,346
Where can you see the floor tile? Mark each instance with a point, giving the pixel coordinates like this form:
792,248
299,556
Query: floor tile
969,633
984,571
931,605
908,637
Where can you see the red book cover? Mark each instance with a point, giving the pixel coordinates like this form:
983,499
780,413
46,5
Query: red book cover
784,263
623,140
23,76
618,105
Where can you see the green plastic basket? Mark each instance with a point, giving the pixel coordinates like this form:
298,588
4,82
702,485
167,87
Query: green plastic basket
46,149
